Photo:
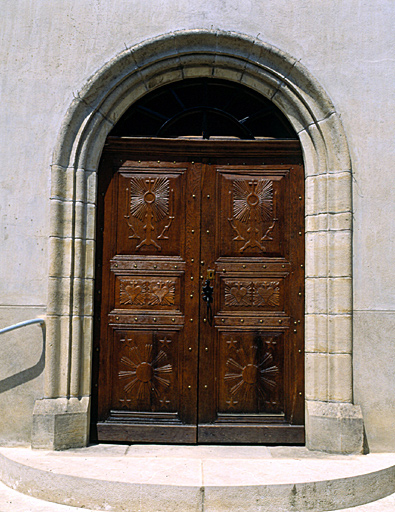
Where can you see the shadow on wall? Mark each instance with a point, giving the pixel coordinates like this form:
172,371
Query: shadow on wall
29,373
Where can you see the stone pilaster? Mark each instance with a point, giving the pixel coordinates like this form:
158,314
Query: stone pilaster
61,423
334,427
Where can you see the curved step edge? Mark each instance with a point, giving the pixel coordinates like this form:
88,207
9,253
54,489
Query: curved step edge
116,496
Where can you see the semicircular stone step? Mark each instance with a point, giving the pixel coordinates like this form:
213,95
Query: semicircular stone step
198,478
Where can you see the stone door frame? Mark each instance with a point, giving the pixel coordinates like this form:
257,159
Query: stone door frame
333,422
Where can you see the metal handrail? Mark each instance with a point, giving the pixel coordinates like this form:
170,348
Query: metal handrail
34,371
40,321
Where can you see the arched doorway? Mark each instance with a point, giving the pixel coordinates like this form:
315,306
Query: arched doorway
200,273
333,422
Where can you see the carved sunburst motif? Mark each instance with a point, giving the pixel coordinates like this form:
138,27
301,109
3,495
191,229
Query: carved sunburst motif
249,195
252,211
246,375
149,203
143,373
149,194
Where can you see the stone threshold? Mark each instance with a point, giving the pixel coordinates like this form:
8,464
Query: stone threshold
159,478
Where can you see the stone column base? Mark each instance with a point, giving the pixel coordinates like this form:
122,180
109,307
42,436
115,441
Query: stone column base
334,427
61,423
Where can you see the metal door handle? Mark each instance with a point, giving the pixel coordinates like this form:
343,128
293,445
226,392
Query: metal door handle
207,296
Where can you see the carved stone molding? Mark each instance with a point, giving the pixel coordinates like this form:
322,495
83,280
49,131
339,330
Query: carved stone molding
92,114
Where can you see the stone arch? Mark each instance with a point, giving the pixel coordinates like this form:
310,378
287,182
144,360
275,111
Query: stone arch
92,114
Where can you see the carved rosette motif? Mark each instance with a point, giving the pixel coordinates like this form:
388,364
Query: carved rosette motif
247,374
142,292
149,202
143,373
252,212
260,293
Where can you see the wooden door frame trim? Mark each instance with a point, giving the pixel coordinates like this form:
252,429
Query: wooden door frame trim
268,148
334,423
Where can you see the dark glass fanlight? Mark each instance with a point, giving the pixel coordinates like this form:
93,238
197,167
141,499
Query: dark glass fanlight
204,108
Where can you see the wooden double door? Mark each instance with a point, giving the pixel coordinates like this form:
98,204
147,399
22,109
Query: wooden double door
199,332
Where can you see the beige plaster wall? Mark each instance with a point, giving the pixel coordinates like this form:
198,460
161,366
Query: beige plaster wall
47,52
21,373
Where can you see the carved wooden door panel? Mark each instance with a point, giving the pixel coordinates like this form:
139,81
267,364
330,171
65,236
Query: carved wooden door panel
168,368
148,376
251,357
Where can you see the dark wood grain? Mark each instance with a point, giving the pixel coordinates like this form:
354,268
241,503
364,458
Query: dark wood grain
169,211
